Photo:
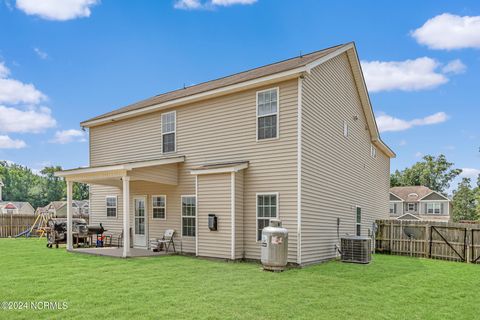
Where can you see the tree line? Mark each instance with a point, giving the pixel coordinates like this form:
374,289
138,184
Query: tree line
22,184
437,174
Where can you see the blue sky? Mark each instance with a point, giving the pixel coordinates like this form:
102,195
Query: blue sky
64,61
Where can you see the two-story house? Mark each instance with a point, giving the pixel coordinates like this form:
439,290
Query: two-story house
418,203
294,140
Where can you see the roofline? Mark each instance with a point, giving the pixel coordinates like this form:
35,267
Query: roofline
276,77
226,169
397,196
124,166
433,191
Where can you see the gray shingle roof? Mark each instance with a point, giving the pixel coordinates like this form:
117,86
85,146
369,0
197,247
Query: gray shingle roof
252,74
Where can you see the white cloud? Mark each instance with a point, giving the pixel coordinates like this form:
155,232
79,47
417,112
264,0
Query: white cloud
199,4
13,91
408,75
455,66
448,31
402,143
8,143
388,123
67,136
60,10
40,53
418,154
470,173
33,120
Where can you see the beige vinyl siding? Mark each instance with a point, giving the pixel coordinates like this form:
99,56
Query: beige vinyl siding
216,130
239,252
214,197
338,173
433,196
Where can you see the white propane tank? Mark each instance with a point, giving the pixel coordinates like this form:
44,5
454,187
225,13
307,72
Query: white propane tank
274,246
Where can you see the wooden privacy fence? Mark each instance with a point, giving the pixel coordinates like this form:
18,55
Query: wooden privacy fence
428,239
13,224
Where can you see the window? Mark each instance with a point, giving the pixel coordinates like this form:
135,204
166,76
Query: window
345,129
111,206
189,214
159,207
434,207
358,221
373,151
168,131
393,208
411,207
267,114
267,208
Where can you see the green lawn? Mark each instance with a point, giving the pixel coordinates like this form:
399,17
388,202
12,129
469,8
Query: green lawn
177,287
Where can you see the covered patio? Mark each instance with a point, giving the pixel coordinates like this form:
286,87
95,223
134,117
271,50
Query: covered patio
161,171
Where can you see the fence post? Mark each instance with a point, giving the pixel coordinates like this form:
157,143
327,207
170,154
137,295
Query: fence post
467,247
425,244
391,237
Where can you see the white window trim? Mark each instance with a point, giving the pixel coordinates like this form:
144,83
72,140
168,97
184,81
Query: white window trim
174,131
256,209
345,128
435,204
270,114
361,218
394,207
153,207
116,207
182,216
373,151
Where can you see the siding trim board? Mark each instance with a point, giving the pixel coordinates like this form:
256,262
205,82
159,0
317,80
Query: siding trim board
232,209
299,171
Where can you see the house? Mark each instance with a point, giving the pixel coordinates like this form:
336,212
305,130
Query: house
58,209
419,203
14,207
294,140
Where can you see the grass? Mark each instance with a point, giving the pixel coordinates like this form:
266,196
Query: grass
177,287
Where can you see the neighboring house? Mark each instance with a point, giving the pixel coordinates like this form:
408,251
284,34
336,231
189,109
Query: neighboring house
294,140
58,209
419,203
16,207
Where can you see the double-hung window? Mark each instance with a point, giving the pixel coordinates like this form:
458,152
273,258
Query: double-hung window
393,208
159,207
168,131
111,204
189,214
267,114
267,208
433,208
358,221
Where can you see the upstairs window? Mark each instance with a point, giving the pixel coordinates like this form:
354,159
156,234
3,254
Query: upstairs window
267,114
434,208
393,208
168,131
111,204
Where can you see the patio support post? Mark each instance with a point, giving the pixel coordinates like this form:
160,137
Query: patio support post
126,216
69,216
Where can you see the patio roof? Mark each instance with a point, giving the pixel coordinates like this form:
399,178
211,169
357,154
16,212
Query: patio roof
163,170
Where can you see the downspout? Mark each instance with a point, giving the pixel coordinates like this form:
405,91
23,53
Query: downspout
232,203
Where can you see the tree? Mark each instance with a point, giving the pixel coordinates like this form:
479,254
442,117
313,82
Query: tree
80,191
464,202
435,173
54,187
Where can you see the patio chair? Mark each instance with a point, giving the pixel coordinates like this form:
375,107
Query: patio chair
167,240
